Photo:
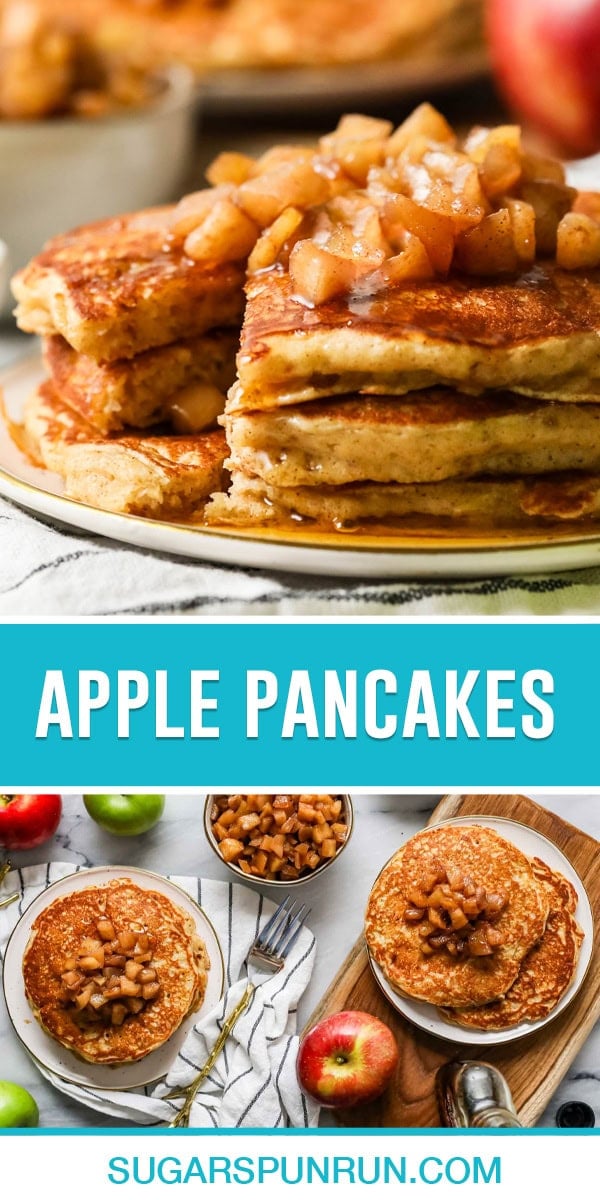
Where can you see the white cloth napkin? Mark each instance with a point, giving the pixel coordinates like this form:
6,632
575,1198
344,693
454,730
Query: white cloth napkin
253,1083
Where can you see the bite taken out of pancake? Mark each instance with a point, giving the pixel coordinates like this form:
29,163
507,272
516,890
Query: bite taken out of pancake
547,970
111,972
486,887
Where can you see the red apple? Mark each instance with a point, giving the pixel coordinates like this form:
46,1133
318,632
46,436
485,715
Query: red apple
28,820
349,1058
546,54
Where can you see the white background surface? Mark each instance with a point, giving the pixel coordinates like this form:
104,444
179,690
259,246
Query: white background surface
337,899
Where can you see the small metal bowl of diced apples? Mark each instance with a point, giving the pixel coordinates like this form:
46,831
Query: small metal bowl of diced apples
279,839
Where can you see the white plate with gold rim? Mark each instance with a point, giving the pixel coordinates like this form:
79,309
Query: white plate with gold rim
534,845
56,1058
410,554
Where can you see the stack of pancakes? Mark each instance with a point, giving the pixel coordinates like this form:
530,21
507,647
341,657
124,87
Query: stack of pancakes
462,398
178,953
139,343
417,399
524,979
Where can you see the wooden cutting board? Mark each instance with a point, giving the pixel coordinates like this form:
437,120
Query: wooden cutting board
533,1066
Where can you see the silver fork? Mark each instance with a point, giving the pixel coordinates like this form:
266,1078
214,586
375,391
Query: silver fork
265,957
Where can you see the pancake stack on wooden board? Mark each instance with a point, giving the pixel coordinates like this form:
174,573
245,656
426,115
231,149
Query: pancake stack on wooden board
518,981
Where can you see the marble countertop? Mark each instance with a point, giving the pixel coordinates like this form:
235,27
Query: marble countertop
337,899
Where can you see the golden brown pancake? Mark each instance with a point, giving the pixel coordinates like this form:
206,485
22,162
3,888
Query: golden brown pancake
546,972
479,504
426,436
147,474
494,864
564,893
179,957
538,335
140,391
118,287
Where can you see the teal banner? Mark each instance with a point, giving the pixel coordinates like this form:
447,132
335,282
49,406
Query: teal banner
274,705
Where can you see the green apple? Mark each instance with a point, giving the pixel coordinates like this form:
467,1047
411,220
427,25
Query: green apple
17,1107
126,816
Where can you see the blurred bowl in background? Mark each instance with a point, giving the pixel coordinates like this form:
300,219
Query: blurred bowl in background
65,171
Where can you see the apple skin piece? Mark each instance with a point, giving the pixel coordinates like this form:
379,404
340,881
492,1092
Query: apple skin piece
349,1058
27,821
125,815
546,56
18,1108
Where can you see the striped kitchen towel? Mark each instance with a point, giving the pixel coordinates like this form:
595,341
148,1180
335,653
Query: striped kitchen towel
253,1083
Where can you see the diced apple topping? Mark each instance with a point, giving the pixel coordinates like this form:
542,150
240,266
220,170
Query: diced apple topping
196,407
230,167
454,914
371,208
227,234
275,237
489,249
277,836
112,977
425,122
550,202
193,209
577,241
522,219
318,275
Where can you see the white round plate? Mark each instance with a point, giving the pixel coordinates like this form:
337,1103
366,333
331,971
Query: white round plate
403,555
57,1058
535,845
305,89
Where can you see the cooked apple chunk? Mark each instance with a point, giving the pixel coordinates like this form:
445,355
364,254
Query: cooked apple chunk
373,207
110,978
455,915
271,243
292,184
489,249
550,202
577,241
226,234
318,275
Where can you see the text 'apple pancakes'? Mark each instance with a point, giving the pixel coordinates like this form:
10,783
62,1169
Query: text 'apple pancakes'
462,919
420,342
111,972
